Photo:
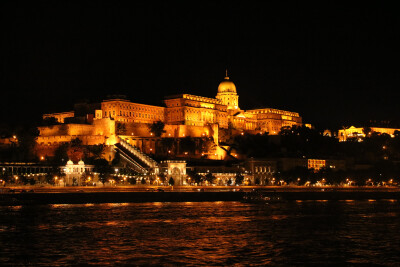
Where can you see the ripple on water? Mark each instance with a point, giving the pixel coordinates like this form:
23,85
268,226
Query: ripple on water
208,233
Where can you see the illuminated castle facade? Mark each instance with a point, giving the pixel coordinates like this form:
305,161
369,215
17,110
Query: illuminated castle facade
183,115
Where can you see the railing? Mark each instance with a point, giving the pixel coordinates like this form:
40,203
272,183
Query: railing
139,154
136,166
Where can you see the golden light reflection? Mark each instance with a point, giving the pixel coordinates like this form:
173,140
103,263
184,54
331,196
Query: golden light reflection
158,203
57,206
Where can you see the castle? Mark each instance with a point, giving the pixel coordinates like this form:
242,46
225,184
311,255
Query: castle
183,115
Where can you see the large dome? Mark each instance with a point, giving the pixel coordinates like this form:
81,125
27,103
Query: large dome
226,86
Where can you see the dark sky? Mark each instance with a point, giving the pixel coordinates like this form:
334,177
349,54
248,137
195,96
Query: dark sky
334,64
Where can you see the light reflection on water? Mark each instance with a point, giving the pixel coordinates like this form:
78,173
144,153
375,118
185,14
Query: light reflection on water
206,233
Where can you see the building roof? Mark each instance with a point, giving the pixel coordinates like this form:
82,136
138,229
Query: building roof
226,86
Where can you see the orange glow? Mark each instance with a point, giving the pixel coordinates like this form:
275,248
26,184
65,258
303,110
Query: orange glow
180,116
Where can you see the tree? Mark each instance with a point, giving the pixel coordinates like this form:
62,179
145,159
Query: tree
60,155
76,142
167,145
187,144
196,178
76,150
367,130
103,177
117,159
50,178
87,178
210,178
157,128
171,181
239,178
207,145
25,143
162,177
97,151
104,169
32,181
6,176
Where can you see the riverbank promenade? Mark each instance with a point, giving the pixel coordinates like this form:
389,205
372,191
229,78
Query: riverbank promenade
136,194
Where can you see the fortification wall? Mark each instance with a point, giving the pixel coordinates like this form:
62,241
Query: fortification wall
67,129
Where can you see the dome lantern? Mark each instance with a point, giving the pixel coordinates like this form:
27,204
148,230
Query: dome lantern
226,86
227,93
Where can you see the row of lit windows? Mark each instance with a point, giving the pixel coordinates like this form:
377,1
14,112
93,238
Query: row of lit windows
310,165
132,106
132,114
319,161
191,111
78,170
261,169
316,164
275,111
198,105
201,98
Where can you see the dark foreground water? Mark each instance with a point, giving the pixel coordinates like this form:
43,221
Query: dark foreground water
315,233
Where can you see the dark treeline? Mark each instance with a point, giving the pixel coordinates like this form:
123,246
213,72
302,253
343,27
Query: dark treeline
375,157
309,143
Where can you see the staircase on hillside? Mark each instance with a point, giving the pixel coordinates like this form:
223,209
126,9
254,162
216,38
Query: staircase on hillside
139,160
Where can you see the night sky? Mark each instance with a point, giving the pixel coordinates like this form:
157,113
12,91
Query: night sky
334,64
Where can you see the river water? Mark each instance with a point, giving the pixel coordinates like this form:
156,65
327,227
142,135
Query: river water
298,233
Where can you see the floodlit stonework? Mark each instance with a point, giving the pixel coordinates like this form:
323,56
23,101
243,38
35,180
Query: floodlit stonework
183,115
359,132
